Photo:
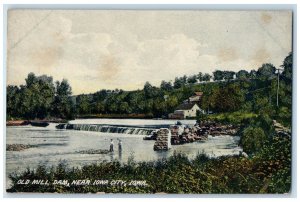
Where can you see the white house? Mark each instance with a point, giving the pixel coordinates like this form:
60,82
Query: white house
186,110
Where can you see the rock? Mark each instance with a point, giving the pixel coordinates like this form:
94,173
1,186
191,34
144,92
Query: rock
60,126
93,151
280,129
163,140
243,154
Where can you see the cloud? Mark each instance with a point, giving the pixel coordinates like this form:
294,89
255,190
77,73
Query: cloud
96,50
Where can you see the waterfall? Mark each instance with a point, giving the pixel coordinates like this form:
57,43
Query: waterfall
110,129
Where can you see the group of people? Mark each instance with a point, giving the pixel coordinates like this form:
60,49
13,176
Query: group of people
111,147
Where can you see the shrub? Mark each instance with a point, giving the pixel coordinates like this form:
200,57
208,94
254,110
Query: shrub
253,139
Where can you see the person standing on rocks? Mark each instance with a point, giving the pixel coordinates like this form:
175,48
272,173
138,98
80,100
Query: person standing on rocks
111,147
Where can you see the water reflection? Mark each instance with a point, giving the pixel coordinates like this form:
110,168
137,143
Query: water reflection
120,155
111,154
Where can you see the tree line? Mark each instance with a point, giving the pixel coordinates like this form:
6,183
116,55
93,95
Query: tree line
254,91
40,98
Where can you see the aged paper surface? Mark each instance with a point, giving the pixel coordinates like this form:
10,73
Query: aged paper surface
149,101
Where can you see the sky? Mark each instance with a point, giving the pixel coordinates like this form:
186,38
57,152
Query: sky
98,49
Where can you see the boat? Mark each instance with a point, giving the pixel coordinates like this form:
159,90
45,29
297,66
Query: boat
39,123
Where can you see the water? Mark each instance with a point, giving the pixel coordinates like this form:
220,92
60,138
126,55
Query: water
53,145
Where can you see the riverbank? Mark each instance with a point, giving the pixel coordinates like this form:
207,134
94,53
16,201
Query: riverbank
116,116
269,171
23,122
18,147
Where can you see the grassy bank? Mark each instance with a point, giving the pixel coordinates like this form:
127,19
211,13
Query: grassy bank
230,117
269,171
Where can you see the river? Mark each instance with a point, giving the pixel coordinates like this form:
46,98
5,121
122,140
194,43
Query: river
53,145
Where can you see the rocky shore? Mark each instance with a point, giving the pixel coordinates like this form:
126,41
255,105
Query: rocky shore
216,129
181,134
27,122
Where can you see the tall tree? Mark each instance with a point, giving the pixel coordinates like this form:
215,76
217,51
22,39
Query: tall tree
178,83
206,77
13,100
31,79
200,76
242,75
228,75
83,104
184,79
253,74
167,86
218,75
266,71
63,105
192,79
228,98
151,91
288,69
38,96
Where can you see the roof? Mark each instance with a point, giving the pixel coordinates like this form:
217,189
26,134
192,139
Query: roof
195,97
186,106
199,93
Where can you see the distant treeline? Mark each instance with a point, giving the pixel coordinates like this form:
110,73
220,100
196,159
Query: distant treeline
254,91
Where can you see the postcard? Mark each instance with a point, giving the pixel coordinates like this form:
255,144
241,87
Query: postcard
149,101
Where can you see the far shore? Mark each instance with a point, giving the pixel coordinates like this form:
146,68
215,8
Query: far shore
18,122
22,122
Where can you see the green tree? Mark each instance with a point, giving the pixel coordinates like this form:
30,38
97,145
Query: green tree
206,77
192,79
242,75
266,71
63,105
166,86
218,75
228,75
171,103
200,76
253,139
159,107
262,105
288,69
47,95
31,79
184,79
98,107
124,108
178,83
37,96
13,102
83,104
151,91
228,98
253,74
